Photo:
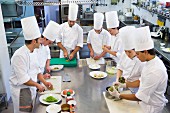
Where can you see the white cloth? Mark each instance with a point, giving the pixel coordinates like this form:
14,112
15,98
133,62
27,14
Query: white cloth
153,86
128,36
24,68
131,68
43,54
73,10
98,20
112,20
116,45
143,40
52,30
30,28
98,40
70,37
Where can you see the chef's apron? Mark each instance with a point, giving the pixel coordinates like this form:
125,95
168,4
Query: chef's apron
113,48
69,40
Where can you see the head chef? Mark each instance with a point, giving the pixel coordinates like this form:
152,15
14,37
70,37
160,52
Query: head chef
24,75
49,35
153,82
70,39
72,14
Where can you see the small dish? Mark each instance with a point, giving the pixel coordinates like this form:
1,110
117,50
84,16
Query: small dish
98,74
167,50
56,67
53,108
72,102
94,66
64,92
65,108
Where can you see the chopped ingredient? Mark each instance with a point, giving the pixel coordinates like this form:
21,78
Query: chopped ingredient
56,68
121,79
50,99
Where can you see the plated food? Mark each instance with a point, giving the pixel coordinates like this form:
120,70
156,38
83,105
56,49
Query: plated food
111,70
122,80
50,99
56,67
94,66
167,50
64,92
53,108
98,74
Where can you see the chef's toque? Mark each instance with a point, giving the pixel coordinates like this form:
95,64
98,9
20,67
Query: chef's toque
51,31
143,39
98,20
127,35
30,28
112,19
73,10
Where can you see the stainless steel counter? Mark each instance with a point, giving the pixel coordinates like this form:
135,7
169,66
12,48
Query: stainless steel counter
88,91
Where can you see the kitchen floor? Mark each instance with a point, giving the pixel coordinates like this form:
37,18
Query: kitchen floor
10,105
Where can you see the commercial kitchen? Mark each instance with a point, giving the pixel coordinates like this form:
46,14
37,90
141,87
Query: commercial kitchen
82,84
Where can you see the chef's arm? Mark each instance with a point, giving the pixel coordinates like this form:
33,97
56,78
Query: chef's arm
102,54
112,52
119,74
31,83
77,48
133,84
61,46
48,65
129,97
90,47
47,84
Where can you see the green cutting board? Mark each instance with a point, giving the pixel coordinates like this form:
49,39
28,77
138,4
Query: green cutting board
62,61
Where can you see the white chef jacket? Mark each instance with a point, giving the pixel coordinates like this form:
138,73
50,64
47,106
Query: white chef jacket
98,40
43,54
131,68
70,37
153,86
116,45
24,68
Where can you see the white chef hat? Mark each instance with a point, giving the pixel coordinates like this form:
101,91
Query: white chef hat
128,35
143,40
30,28
98,20
112,19
52,30
73,10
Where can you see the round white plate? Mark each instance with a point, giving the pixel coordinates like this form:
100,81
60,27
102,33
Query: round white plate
166,50
154,34
98,74
53,108
72,102
58,67
94,66
66,95
57,96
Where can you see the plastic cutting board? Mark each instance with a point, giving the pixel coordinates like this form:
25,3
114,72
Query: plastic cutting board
63,61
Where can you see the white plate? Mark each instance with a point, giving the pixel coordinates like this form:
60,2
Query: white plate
166,50
53,108
57,96
72,102
111,70
66,95
94,66
59,67
98,74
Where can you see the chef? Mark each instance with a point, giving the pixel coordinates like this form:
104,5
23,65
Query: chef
112,23
49,35
153,82
70,39
98,37
129,65
23,79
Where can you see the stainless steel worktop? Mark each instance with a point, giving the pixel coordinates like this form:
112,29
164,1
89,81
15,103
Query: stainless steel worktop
88,91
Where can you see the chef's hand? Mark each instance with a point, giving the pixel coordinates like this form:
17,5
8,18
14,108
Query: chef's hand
65,54
40,88
114,93
96,57
120,85
46,76
49,85
92,54
71,56
105,49
48,69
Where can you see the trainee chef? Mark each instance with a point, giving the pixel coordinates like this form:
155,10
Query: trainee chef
153,82
112,23
71,35
49,35
129,66
98,37
23,80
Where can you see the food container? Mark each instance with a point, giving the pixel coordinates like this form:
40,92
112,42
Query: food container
65,108
107,94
